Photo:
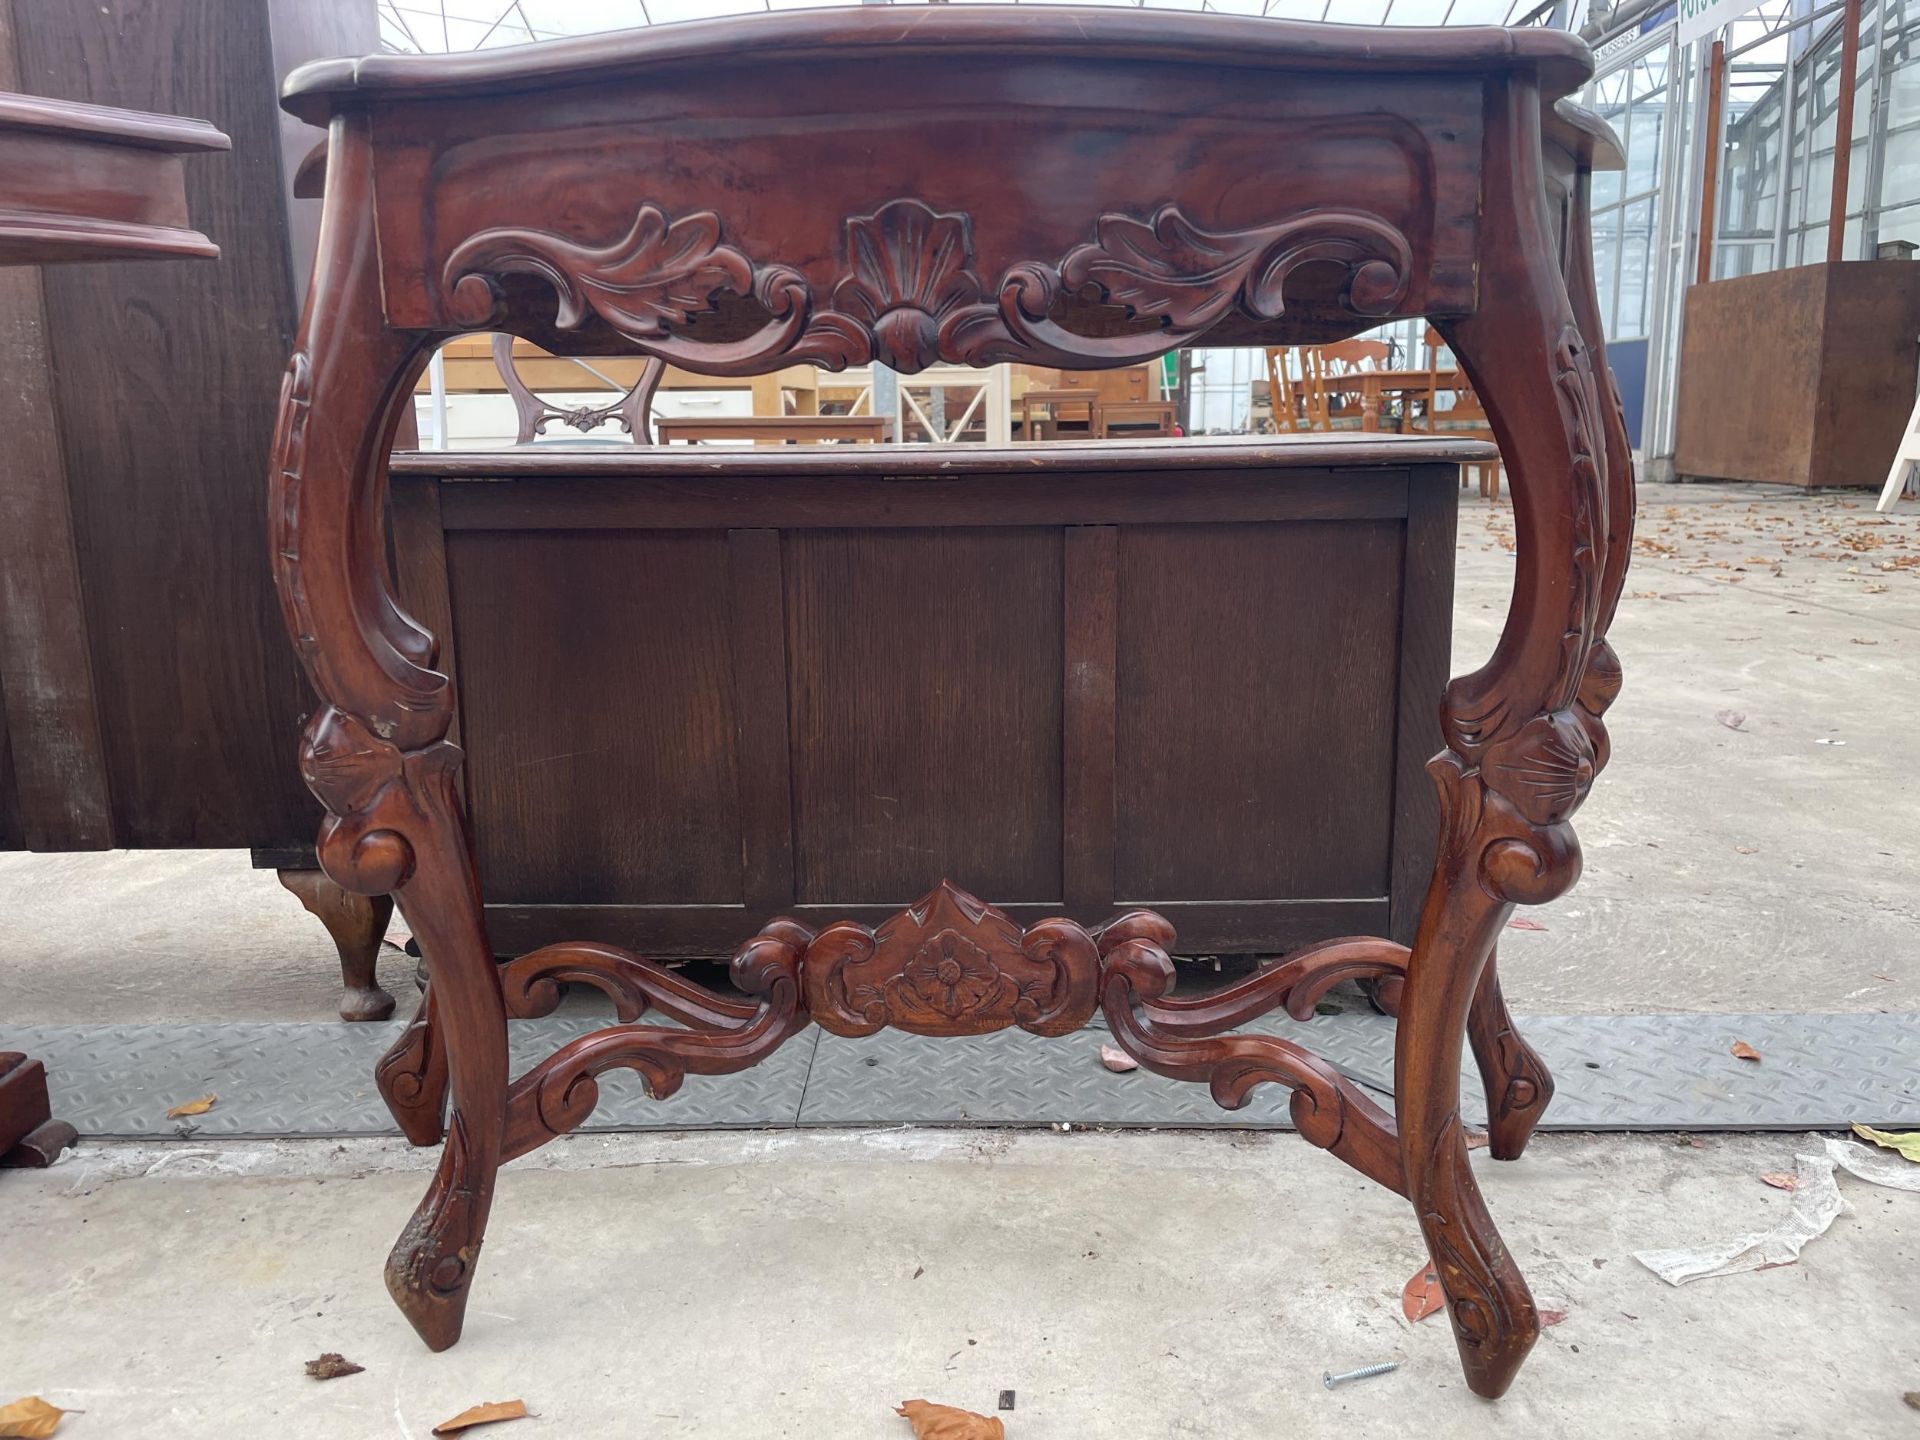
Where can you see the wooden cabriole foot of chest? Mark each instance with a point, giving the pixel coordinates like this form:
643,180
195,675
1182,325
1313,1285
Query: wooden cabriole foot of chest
30,1138
357,925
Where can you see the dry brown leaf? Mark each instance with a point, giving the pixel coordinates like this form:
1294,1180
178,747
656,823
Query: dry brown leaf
1781,1179
1552,1317
1477,1140
1520,922
193,1107
1746,849
1744,1051
332,1366
1422,1296
1732,719
1117,1060
30,1418
486,1414
944,1422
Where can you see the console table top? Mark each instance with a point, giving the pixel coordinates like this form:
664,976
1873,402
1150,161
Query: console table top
1562,61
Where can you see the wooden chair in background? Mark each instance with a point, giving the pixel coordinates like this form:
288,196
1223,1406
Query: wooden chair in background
1465,415
633,409
1317,399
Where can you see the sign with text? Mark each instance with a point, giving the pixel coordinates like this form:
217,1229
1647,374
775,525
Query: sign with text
1703,17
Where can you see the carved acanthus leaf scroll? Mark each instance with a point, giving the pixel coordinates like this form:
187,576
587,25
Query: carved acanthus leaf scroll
911,297
559,1093
1183,1042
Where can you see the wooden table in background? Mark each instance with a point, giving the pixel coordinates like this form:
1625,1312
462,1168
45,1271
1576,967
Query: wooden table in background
772,429
1375,385
1136,419
77,182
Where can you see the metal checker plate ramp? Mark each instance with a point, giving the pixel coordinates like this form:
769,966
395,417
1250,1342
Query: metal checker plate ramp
1614,1072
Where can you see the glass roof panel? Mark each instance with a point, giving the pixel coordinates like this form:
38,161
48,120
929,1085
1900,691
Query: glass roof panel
433,26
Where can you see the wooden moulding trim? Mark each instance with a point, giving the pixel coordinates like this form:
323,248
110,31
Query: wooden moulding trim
78,238
1098,457
853,504
1562,61
677,931
107,123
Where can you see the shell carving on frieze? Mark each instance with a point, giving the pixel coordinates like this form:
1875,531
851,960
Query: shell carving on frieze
909,273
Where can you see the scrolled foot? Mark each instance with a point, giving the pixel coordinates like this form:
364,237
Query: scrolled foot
431,1266
412,1076
1518,1085
1492,1312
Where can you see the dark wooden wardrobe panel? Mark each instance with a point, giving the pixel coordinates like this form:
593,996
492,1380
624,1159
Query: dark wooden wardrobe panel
598,712
166,376
1222,629
925,711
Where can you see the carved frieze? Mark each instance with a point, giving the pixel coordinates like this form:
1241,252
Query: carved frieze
910,296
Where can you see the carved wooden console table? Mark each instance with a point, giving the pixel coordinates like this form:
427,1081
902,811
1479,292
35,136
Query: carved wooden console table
1178,177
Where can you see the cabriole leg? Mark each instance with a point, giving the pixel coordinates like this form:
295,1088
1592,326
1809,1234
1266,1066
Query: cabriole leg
1523,742
376,755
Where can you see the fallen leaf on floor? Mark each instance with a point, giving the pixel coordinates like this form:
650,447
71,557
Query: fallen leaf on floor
1549,1318
1746,849
1912,1399
1117,1060
1732,719
1477,1140
331,1367
1858,641
1907,1144
1780,1179
192,1107
486,1414
1422,1296
1520,922
944,1422
30,1418
1743,1051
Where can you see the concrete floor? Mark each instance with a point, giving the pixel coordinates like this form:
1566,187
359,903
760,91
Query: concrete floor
1751,869
1138,1285
746,1286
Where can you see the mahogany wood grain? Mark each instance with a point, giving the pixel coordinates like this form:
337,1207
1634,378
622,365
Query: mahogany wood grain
657,193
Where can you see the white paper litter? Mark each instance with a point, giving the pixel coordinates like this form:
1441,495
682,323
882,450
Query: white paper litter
1877,1167
1817,1203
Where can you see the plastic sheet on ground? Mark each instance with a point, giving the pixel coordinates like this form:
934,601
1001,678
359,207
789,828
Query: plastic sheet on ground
1817,1203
